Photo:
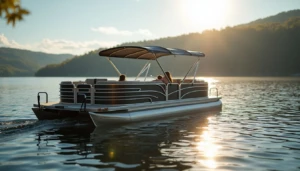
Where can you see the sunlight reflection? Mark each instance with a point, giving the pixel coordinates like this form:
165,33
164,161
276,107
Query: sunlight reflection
209,163
208,79
212,91
208,148
111,154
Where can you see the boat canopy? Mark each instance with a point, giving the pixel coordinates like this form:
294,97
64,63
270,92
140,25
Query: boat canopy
147,52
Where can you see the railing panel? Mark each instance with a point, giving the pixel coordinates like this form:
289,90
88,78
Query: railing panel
195,90
129,92
173,91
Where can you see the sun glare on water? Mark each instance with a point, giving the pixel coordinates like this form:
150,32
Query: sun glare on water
208,149
205,14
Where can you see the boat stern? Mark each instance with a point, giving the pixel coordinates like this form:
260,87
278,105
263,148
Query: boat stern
48,114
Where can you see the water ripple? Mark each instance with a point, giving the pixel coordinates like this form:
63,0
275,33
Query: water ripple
257,129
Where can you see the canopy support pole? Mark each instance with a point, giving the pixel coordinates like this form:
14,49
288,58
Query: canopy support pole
148,67
162,69
189,70
142,70
196,69
113,66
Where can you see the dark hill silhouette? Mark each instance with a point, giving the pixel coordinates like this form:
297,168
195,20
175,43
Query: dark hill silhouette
17,62
90,64
279,18
267,49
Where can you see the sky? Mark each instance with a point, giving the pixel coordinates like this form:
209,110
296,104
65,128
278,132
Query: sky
79,26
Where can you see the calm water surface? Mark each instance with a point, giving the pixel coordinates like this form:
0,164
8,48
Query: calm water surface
258,129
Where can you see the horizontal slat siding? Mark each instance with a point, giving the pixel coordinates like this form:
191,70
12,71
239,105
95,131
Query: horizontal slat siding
84,89
194,90
128,93
66,93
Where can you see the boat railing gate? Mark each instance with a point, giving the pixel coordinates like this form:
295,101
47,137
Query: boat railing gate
216,90
38,98
83,104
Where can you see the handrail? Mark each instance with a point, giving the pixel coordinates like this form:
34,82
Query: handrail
38,98
83,102
194,91
216,90
148,98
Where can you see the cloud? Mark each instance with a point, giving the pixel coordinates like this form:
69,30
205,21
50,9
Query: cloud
144,32
66,46
8,43
3,40
58,46
112,31
115,31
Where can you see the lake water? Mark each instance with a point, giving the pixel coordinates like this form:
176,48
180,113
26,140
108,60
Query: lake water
258,129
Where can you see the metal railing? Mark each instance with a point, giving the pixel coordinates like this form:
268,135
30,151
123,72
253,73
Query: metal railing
214,88
83,104
92,94
38,98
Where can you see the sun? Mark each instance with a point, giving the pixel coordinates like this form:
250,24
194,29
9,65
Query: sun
205,14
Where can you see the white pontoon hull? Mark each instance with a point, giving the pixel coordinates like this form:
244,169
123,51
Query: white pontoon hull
134,116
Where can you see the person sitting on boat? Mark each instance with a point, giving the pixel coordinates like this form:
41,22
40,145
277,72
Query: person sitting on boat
167,79
159,77
122,77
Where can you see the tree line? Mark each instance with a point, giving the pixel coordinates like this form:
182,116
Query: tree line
254,49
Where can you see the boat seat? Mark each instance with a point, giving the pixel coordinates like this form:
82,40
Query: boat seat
67,92
66,82
84,86
121,82
177,80
94,81
78,82
128,82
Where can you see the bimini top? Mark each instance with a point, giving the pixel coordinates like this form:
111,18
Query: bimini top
147,52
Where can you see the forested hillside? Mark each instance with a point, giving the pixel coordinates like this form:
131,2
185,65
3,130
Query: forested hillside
256,49
90,64
17,62
278,18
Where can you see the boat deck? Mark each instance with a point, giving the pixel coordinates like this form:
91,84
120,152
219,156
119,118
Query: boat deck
125,107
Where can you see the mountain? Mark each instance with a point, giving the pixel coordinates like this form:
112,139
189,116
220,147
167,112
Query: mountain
263,49
279,18
91,64
17,62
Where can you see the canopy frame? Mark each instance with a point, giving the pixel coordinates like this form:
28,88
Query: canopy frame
149,53
145,68
114,66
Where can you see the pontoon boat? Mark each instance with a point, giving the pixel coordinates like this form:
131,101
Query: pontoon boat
111,101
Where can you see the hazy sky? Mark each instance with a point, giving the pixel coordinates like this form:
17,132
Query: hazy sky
79,26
